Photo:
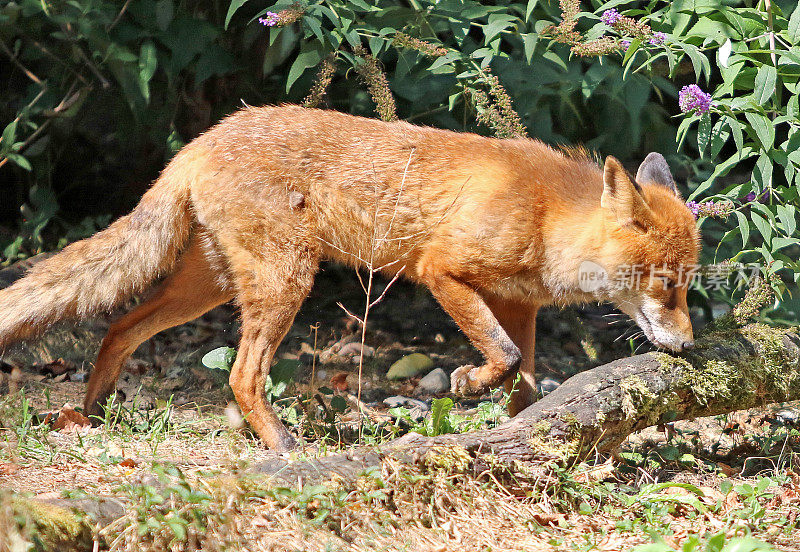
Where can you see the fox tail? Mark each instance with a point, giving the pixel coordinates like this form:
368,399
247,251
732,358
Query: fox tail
100,272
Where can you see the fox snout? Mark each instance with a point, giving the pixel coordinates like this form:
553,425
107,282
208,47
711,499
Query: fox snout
667,328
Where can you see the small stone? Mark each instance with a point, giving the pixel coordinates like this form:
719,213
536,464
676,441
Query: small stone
409,366
435,382
408,402
788,417
79,377
354,348
547,386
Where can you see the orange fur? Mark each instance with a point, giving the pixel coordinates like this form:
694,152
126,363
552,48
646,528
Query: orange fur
495,228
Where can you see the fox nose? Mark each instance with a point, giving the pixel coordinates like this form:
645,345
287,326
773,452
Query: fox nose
687,345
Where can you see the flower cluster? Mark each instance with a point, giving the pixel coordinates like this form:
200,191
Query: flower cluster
692,98
759,294
625,26
377,83
598,47
403,40
324,77
270,19
719,209
752,196
610,17
496,111
282,18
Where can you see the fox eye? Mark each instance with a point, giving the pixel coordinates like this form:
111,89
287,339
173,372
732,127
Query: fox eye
667,282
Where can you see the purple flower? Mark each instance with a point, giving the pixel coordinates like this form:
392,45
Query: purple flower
625,44
610,17
720,209
270,20
750,197
692,98
658,39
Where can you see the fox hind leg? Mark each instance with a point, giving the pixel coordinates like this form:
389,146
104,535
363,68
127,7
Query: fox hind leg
271,288
195,287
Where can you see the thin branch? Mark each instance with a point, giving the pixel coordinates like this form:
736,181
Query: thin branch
15,61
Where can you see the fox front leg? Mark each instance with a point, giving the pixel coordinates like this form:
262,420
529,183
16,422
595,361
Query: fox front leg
475,318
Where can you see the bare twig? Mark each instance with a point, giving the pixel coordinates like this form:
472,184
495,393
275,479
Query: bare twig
15,61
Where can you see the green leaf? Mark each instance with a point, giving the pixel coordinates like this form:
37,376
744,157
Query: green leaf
763,127
221,358
529,9
529,41
700,62
233,8
763,226
305,59
147,67
765,84
164,13
497,24
9,133
338,403
736,130
744,227
794,26
786,214
440,408
20,161
703,133
719,137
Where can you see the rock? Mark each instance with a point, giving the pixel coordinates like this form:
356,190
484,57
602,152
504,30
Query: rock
354,348
79,377
408,402
547,386
409,366
437,381
788,416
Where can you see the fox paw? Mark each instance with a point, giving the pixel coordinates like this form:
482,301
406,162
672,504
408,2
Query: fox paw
465,380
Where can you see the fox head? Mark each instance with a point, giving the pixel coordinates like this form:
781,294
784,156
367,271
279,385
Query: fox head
650,250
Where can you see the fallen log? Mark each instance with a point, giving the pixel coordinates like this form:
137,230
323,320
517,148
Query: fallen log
595,411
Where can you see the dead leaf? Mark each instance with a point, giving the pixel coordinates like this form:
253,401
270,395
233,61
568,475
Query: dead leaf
731,502
70,420
545,519
726,469
7,468
128,463
58,367
339,381
596,473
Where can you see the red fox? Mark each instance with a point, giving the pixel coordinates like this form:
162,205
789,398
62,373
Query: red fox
494,228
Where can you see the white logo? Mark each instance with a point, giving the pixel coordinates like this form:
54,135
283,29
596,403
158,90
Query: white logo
591,276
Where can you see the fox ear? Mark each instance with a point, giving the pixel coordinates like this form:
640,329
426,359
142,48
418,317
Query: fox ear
622,196
654,170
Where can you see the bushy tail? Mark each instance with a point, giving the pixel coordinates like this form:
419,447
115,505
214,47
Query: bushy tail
96,274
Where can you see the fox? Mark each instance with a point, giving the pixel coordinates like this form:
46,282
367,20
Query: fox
496,229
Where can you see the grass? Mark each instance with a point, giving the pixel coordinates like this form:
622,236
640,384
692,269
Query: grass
652,498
